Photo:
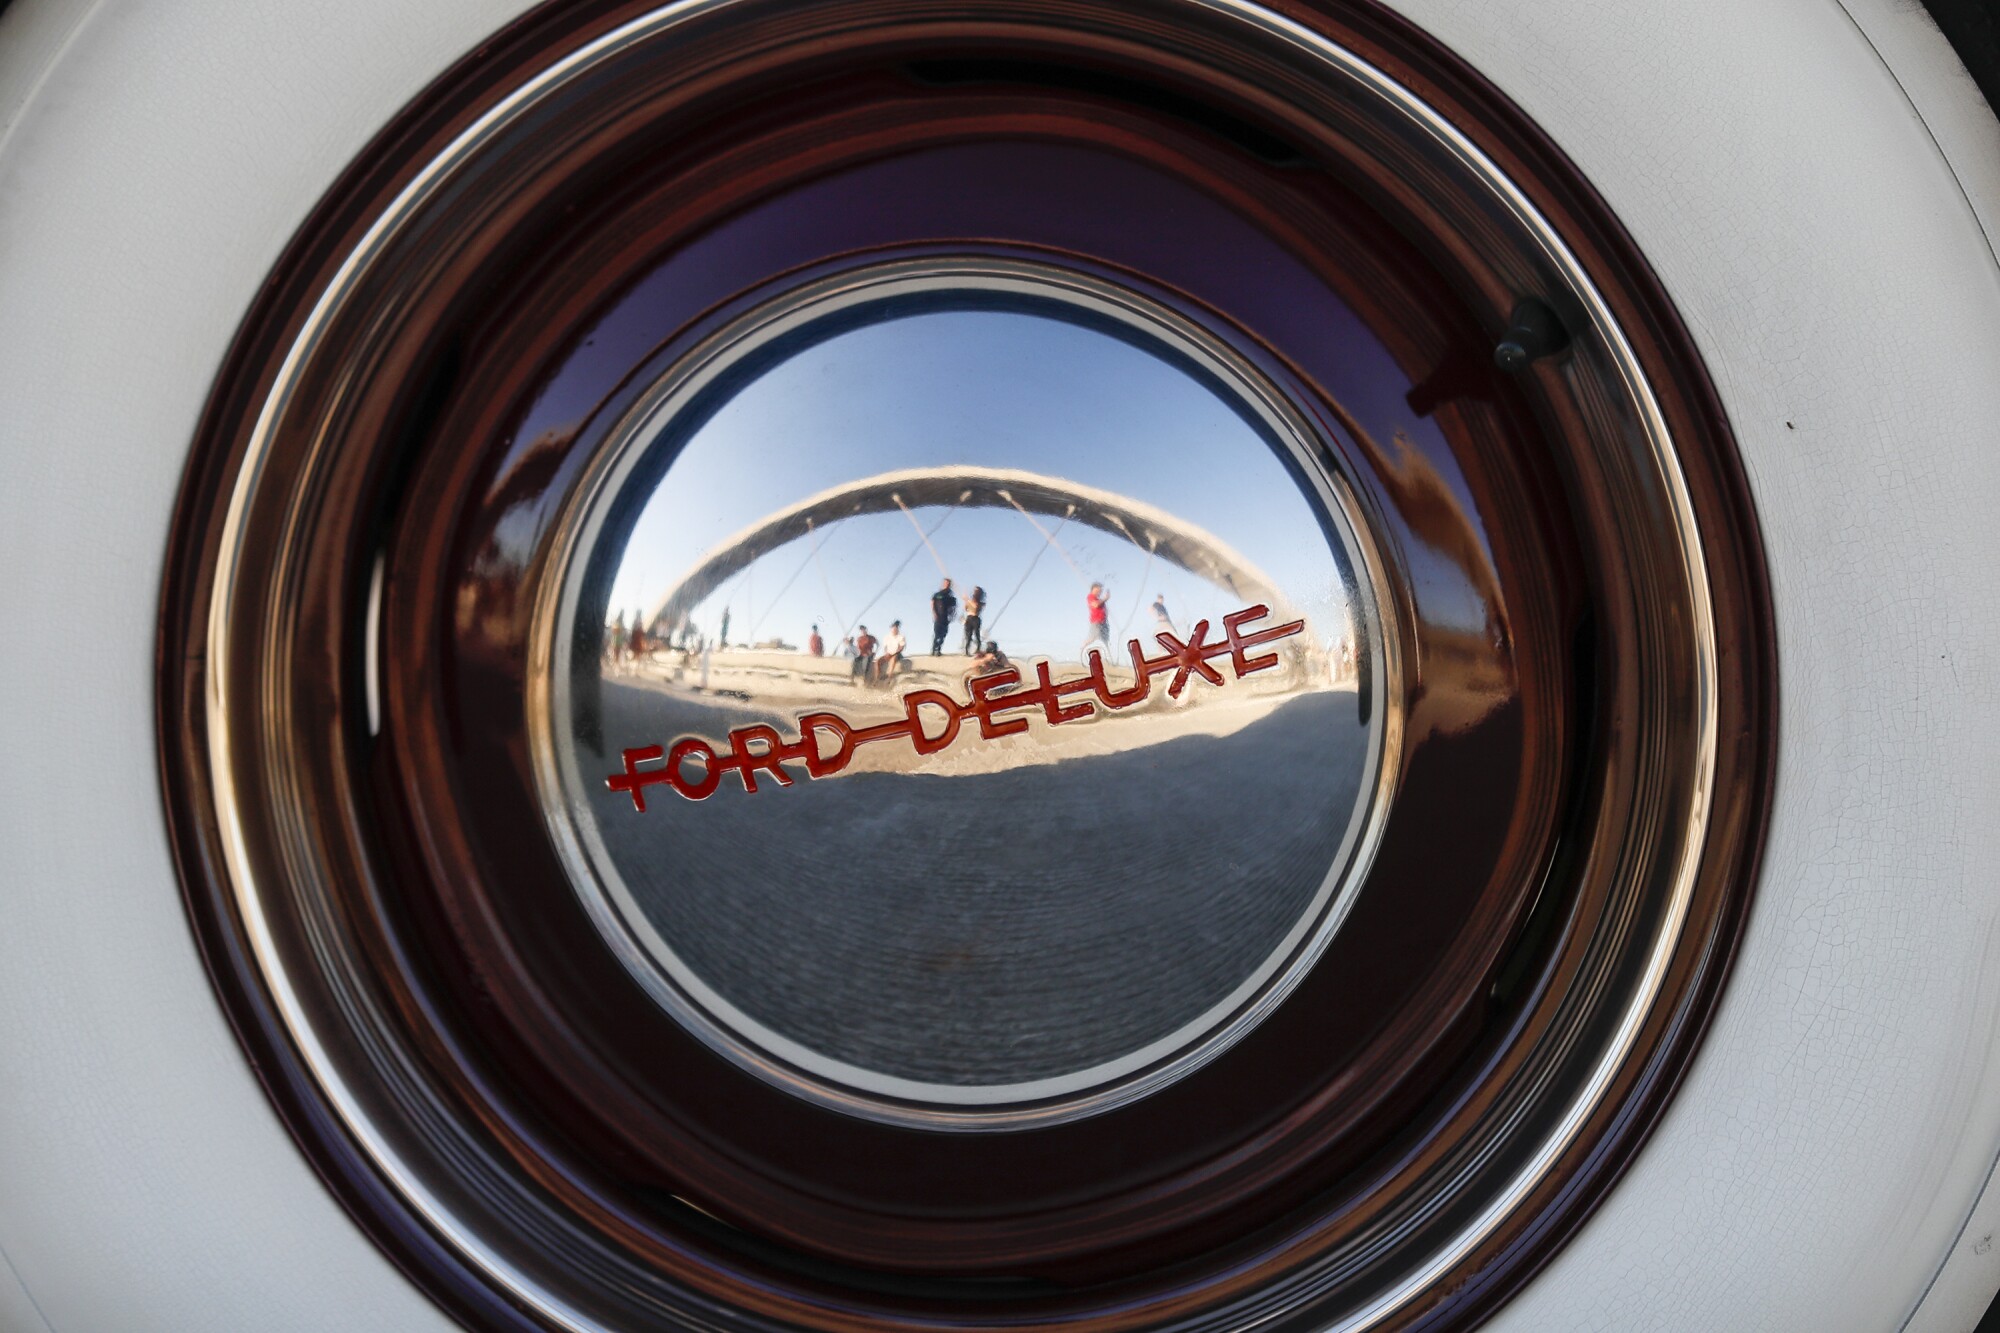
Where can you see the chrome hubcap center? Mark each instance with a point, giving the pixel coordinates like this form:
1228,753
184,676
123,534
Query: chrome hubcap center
965,711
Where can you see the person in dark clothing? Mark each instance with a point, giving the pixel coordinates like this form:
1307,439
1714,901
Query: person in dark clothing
944,604
989,660
975,607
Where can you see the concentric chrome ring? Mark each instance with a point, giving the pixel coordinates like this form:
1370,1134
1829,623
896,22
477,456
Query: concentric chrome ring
843,300
392,503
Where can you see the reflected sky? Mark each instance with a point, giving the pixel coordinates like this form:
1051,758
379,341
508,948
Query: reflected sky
984,388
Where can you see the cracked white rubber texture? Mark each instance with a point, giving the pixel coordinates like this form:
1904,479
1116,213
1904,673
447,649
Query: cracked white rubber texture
146,1186
1844,1111
1833,1135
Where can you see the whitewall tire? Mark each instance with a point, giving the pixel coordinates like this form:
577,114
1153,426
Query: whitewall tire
1816,187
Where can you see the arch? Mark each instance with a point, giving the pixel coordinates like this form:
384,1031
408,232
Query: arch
1170,538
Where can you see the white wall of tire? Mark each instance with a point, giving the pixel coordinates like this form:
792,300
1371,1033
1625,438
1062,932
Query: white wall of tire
1808,179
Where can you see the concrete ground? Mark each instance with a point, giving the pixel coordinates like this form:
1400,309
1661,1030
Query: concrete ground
980,919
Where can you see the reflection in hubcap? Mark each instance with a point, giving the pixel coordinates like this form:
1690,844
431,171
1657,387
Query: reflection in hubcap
993,646
785,314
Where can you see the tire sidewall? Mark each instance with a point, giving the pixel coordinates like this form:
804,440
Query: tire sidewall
1833,1134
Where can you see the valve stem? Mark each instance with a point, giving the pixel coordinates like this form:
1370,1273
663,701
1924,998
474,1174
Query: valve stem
1535,331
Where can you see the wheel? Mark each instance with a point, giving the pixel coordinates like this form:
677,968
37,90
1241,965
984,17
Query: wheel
1587,755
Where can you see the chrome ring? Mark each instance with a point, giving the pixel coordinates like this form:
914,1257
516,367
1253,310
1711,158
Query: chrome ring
226,694
770,1054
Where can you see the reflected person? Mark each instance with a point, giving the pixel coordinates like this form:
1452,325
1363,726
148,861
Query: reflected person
975,608
893,647
1098,637
943,604
989,660
864,656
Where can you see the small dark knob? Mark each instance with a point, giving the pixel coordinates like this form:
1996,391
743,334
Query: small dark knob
1535,331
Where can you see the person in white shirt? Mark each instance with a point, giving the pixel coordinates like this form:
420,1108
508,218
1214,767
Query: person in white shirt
893,644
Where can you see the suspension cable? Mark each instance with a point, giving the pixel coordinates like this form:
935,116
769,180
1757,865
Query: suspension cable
1047,536
826,582
1140,600
923,536
898,572
994,624
787,586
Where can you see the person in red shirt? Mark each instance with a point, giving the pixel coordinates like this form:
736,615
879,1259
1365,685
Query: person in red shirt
864,655
1098,638
816,645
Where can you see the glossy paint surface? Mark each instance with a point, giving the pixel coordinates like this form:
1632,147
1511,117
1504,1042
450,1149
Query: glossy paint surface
1425,903
1542,641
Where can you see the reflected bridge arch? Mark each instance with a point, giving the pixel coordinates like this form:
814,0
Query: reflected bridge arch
1167,536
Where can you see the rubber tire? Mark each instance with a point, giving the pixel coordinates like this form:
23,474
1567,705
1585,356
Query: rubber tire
1810,182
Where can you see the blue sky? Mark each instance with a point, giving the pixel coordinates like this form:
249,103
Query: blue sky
990,389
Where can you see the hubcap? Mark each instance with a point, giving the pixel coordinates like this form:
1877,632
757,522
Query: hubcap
1315,946
1043,885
